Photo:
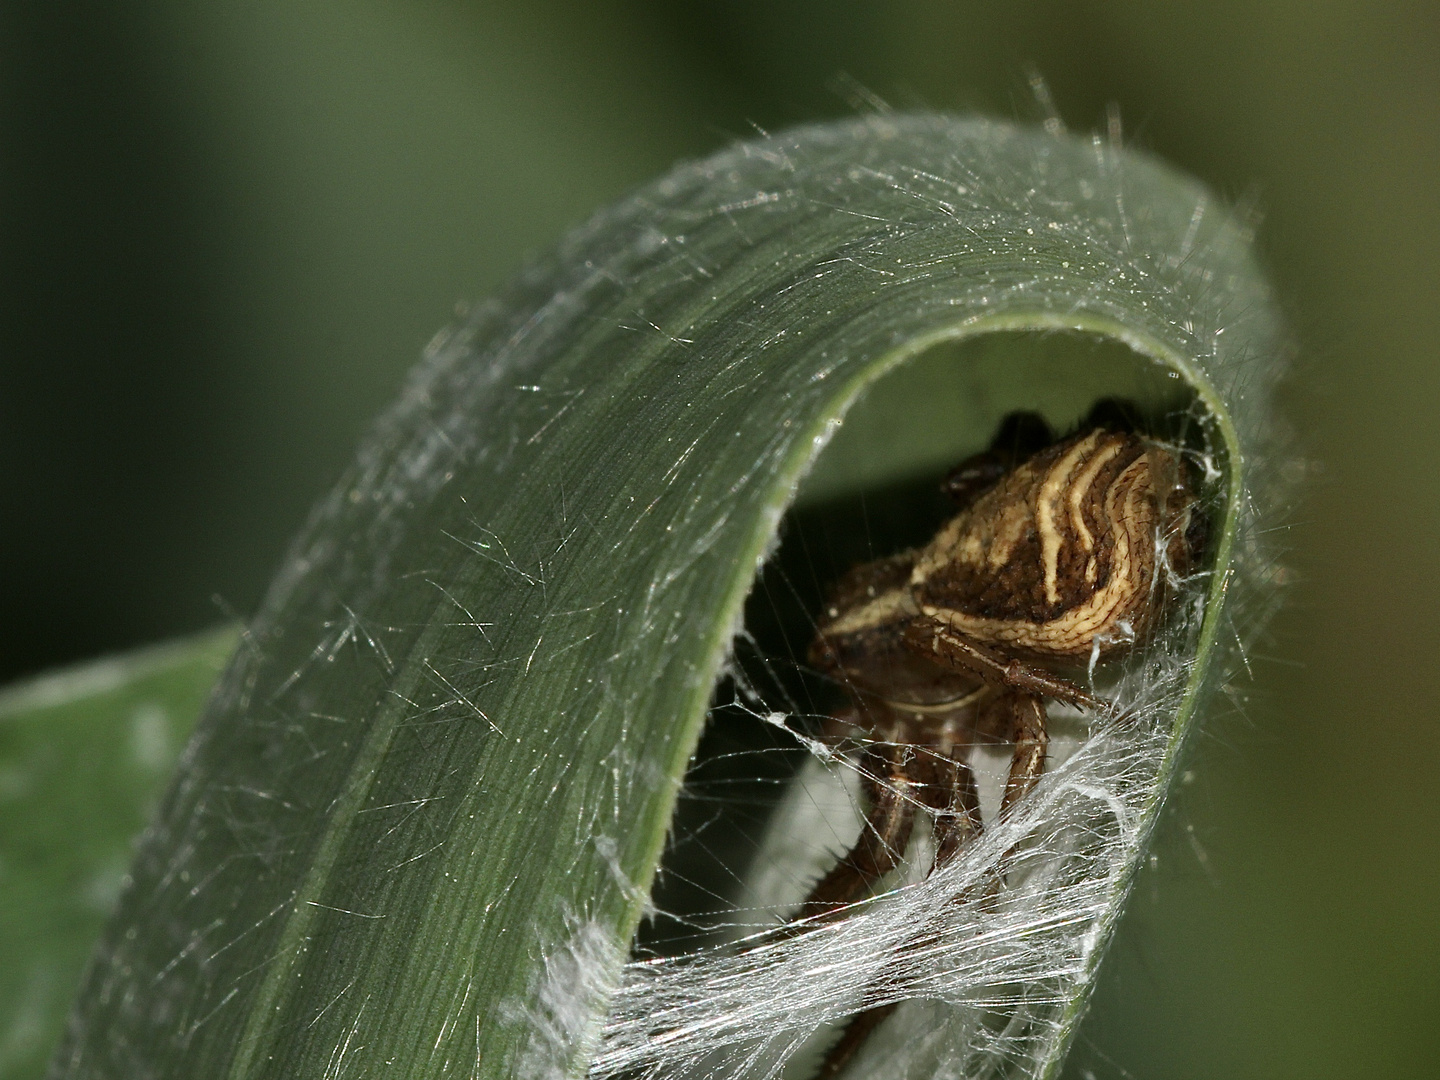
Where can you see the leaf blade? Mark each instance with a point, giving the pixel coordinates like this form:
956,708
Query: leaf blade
427,807
84,755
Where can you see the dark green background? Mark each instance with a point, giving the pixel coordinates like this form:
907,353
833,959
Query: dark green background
229,228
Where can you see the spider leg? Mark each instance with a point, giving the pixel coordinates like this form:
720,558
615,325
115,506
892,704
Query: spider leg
942,782
934,639
946,786
886,770
1028,733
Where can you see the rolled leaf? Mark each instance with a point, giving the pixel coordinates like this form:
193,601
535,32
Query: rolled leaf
418,826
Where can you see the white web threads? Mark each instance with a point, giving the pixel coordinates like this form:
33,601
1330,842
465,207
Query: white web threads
989,978
986,973
559,1013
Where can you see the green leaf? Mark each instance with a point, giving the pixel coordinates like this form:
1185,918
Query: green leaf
84,756
418,827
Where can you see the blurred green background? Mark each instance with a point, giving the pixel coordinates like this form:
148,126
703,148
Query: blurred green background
229,229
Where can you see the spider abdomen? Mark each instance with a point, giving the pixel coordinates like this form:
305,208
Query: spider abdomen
1065,553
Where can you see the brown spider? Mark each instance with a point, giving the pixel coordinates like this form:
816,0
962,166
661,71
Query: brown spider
1057,556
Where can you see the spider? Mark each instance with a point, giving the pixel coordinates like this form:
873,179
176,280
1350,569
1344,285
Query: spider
1058,555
